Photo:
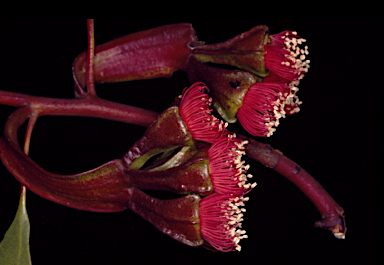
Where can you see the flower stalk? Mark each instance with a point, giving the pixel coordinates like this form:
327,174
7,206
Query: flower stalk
332,214
91,59
86,191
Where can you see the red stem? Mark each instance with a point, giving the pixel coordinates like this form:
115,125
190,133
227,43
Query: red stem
90,59
331,213
85,107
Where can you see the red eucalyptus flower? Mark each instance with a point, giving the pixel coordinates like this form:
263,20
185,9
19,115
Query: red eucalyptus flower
215,169
266,102
220,221
227,171
290,99
196,114
264,90
213,221
284,57
263,106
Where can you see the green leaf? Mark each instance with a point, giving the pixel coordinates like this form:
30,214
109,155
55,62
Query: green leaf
14,249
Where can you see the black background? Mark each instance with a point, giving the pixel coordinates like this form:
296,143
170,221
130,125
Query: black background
333,137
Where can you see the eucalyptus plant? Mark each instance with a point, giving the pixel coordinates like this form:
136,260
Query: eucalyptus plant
185,149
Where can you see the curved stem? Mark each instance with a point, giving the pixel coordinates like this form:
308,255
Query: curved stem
27,139
103,189
331,213
85,107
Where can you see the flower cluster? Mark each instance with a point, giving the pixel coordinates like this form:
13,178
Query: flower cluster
185,149
220,212
268,101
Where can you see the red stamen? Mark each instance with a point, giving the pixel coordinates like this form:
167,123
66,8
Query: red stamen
195,111
220,220
263,106
292,101
227,171
272,77
284,57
